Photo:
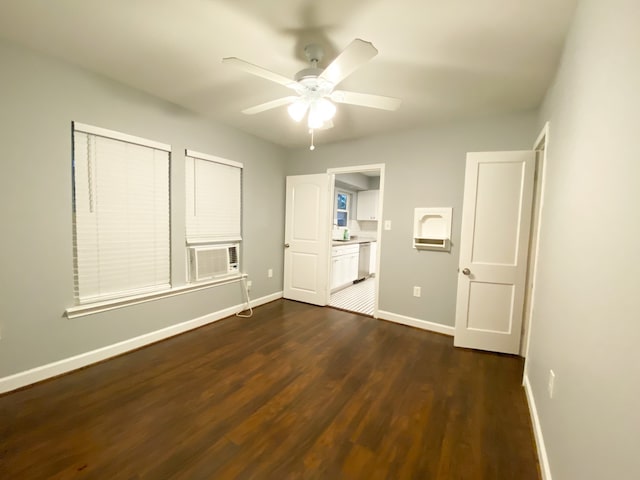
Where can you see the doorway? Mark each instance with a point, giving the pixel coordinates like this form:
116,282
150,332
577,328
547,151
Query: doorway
540,147
355,238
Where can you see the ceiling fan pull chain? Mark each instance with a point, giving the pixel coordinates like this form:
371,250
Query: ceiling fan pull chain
312,146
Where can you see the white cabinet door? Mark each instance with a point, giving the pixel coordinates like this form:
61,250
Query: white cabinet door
352,267
336,272
344,265
373,257
368,205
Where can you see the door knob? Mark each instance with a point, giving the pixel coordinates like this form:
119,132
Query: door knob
466,271
286,245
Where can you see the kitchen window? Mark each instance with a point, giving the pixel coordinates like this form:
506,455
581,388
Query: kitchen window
343,200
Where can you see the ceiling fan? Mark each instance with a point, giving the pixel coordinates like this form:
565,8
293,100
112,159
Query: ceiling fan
314,87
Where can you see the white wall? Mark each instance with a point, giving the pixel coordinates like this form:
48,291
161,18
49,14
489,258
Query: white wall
586,323
40,97
424,168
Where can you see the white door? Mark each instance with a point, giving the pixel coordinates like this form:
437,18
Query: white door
494,245
306,237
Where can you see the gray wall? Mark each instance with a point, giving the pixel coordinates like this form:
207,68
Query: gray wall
40,98
424,168
586,323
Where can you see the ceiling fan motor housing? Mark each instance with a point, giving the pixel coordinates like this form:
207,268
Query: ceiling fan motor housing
309,78
308,73
311,84
314,53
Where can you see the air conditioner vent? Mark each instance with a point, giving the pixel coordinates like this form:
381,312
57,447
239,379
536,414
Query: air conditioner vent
212,261
233,255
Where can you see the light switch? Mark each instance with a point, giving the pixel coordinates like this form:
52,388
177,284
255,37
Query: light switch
387,224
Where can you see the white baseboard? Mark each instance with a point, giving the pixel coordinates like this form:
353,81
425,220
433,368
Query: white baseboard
54,369
537,431
416,322
266,299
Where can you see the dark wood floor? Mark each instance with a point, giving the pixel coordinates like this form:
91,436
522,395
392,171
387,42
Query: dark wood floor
294,392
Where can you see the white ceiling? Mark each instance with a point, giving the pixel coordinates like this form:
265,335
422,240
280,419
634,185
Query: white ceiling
446,60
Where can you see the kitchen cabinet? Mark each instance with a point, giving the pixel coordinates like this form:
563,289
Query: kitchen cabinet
351,269
344,265
368,205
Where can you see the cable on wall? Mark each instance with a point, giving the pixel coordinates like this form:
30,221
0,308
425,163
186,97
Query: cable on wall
246,292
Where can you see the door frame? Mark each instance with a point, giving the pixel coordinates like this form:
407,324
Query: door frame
540,145
379,167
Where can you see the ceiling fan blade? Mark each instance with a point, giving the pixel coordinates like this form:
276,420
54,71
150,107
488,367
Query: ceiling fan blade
269,105
365,100
354,56
260,72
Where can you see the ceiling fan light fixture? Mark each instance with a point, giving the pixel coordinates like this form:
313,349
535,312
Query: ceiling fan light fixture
321,110
314,120
325,108
298,109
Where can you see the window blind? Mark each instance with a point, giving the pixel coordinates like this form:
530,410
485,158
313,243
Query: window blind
121,214
213,198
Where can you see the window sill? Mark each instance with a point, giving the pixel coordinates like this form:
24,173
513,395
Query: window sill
98,307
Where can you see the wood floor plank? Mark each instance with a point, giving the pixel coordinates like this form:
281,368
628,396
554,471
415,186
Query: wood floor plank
295,392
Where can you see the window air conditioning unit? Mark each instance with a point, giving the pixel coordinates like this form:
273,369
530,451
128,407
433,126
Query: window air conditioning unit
213,261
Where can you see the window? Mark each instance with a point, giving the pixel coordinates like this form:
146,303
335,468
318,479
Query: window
120,214
342,209
213,198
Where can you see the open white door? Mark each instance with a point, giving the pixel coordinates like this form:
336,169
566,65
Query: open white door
306,237
494,245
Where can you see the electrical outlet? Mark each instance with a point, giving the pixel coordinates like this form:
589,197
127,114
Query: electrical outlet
270,273
387,224
417,291
249,284
552,383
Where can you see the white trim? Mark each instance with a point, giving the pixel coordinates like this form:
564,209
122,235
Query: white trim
329,238
537,431
543,139
212,158
106,305
380,167
266,299
356,168
416,322
382,187
212,241
125,137
542,136
54,369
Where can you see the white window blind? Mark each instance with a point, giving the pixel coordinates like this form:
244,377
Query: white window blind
121,214
213,198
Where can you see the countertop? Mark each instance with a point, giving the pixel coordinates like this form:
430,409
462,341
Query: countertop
352,241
